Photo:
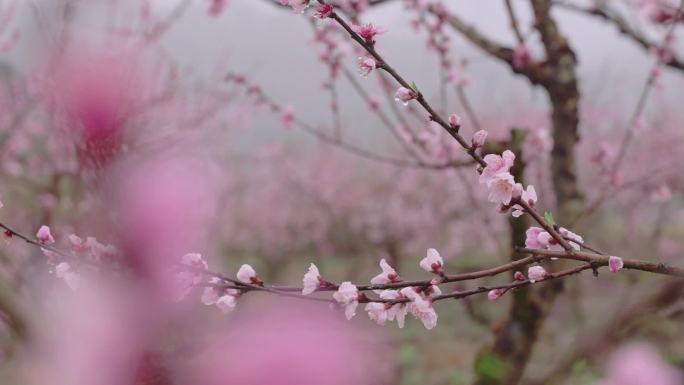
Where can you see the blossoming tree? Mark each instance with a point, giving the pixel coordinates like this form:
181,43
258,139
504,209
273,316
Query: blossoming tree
115,177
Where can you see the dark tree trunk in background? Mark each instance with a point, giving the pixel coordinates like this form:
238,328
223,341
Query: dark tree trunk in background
504,361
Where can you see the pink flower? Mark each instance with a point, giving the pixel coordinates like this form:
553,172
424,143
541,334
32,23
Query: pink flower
501,188
397,311
288,118
311,281
388,275
615,264
366,65
296,5
518,276
377,312
497,164
44,235
368,32
528,196
247,274
532,241
420,307
404,95
638,364
348,296
521,56
479,138
72,279
433,262
217,7
536,273
194,260
210,295
578,240
494,294
226,303
324,11
78,245
455,121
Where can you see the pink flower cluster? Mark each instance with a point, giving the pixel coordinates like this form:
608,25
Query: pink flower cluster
396,304
500,182
90,250
538,238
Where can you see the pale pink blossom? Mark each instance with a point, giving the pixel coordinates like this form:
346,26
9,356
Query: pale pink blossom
528,196
368,32
578,240
288,118
615,264
247,274
479,138
420,307
64,272
226,303
518,276
210,295
194,260
348,296
454,121
545,238
640,364
44,236
497,164
366,65
324,11
217,6
296,5
521,56
78,245
311,280
377,312
494,294
501,188
532,240
433,262
388,275
536,273
397,311
106,252
404,95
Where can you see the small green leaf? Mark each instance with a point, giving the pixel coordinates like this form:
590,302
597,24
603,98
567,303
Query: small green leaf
549,218
414,86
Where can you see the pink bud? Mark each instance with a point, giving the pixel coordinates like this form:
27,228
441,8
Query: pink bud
536,273
44,235
324,11
455,121
366,65
479,137
518,276
494,294
615,263
288,118
404,94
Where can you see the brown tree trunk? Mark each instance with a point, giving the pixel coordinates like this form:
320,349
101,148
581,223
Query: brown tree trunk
504,361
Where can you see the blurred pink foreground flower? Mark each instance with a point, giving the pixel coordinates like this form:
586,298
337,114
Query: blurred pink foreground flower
310,346
640,364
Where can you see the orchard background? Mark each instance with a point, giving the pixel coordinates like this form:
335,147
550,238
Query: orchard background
341,192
